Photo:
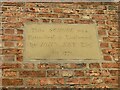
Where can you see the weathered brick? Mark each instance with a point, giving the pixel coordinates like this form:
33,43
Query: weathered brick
9,44
72,81
53,66
69,21
7,37
115,72
12,82
9,73
32,81
19,58
9,31
46,20
94,65
102,32
32,73
83,21
19,44
113,80
93,73
110,51
28,66
11,66
113,33
104,45
10,51
104,73
84,81
97,80
67,73
115,45
108,58
41,66
48,81
79,73
9,57
52,73
110,39
13,25
19,31
58,10
48,15
56,20
110,65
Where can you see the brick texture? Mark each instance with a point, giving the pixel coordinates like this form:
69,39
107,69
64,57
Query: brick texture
85,74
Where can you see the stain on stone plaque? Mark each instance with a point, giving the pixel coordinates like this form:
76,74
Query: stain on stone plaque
61,41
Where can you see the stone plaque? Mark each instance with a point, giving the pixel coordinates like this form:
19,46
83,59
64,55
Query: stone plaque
61,41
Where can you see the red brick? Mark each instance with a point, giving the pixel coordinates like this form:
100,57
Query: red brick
84,80
48,15
9,44
109,80
100,22
114,72
56,20
99,17
110,65
69,21
10,51
9,73
97,80
9,57
101,32
107,58
79,73
53,66
13,25
93,73
115,45
19,31
104,73
83,21
52,73
12,82
48,81
32,73
110,51
74,16
28,66
19,58
72,81
11,66
110,39
46,20
12,38
104,45
32,81
41,66
113,33
61,15
9,31
44,10
58,10
94,65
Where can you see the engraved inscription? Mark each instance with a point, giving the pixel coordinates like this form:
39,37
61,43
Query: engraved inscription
61,41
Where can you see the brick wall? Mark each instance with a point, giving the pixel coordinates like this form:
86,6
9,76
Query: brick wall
83,74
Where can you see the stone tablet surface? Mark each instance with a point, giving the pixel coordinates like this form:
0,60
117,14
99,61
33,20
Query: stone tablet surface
61,41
